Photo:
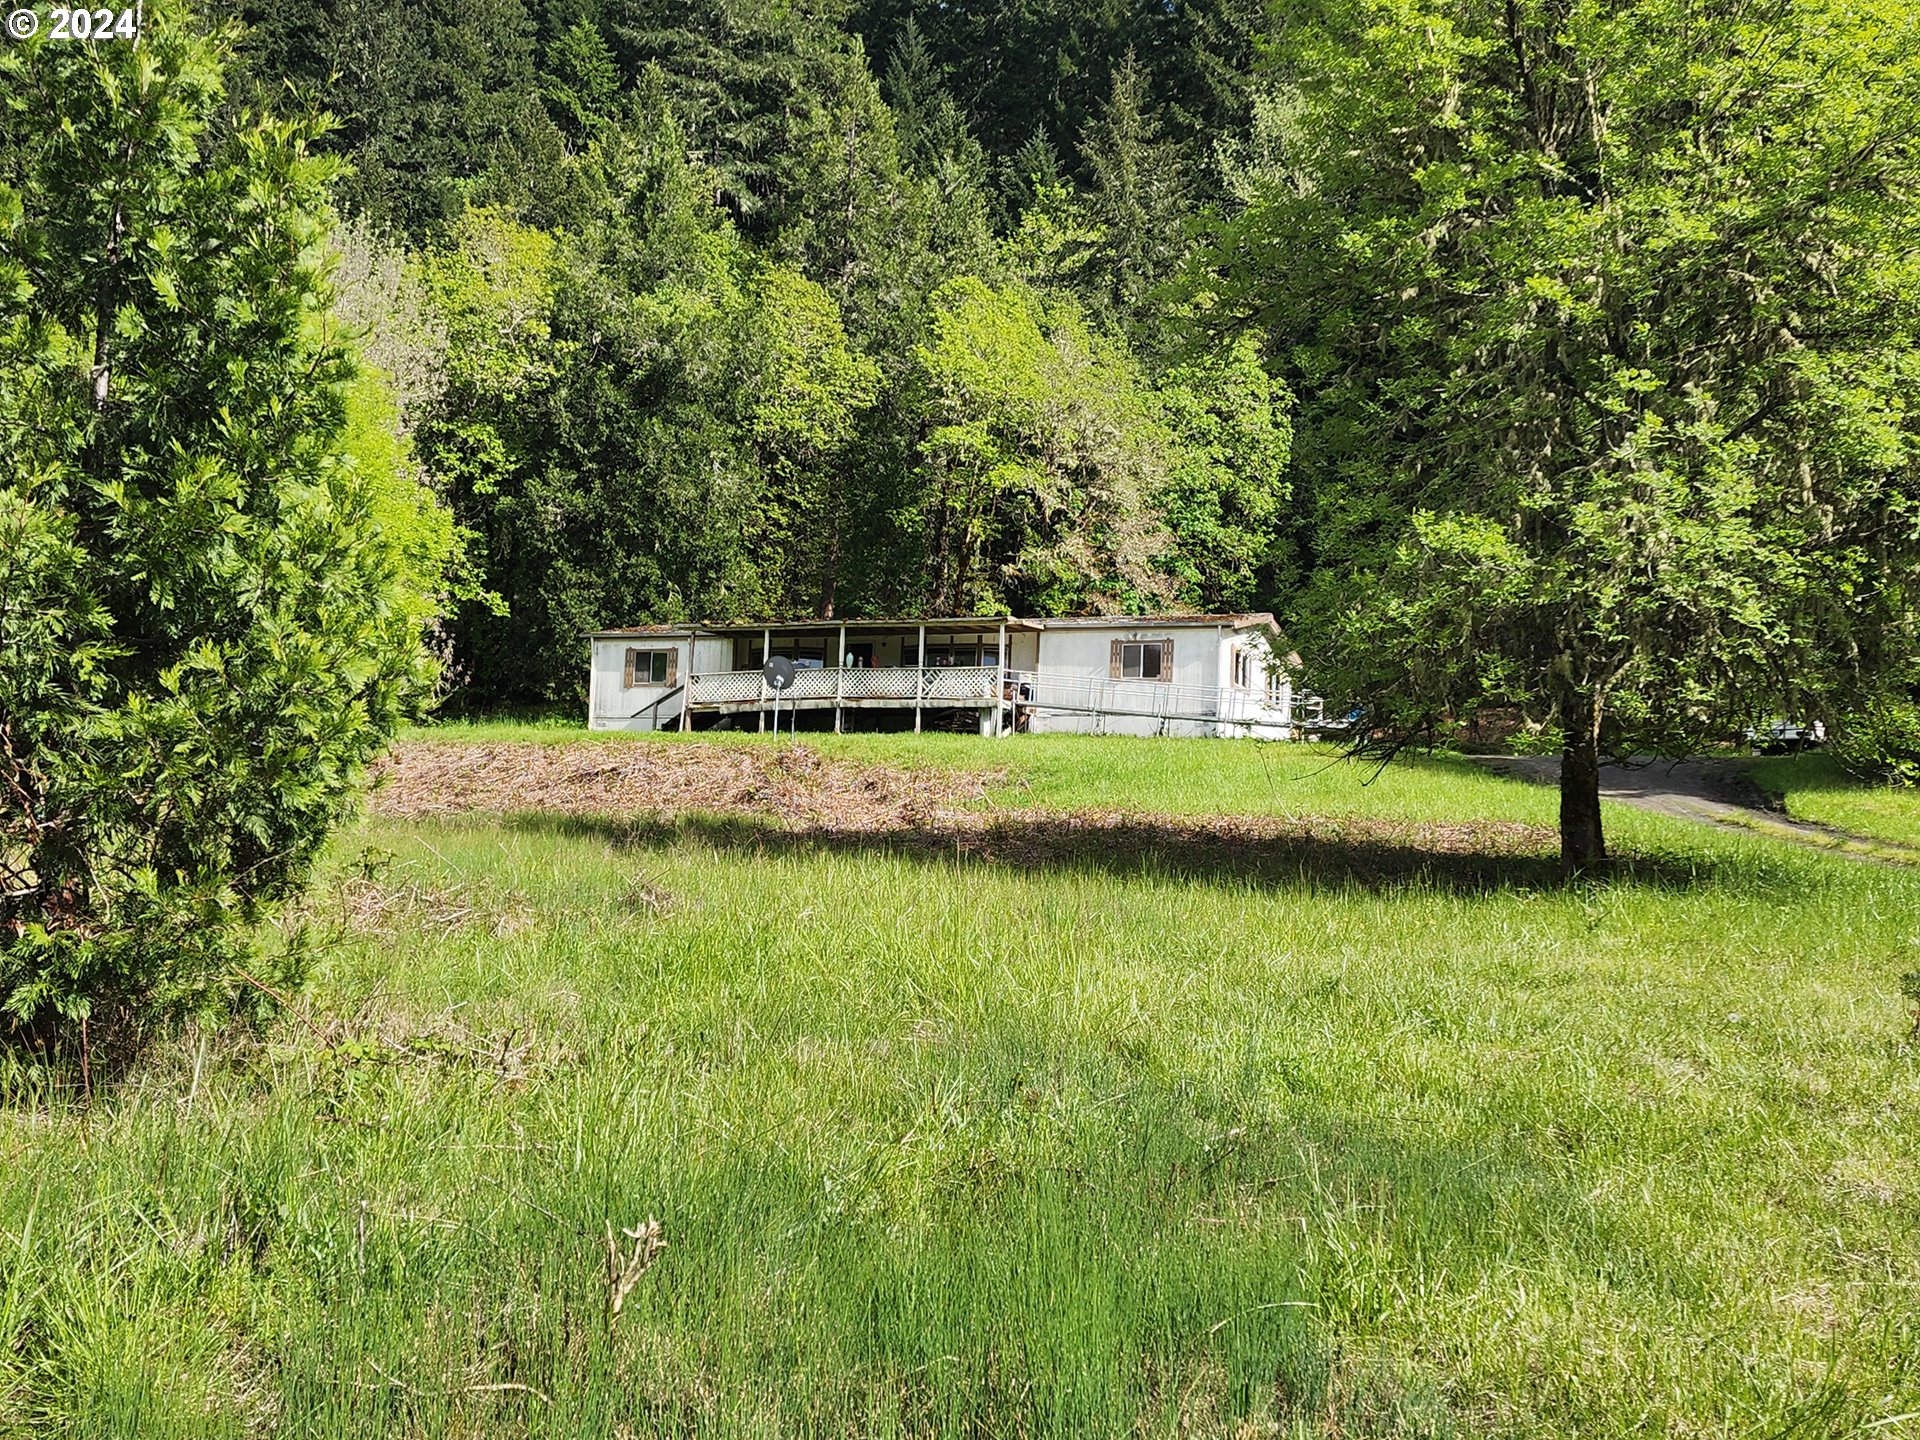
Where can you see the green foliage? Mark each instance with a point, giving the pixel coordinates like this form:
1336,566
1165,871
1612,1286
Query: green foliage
1226,494
1024,68
806,391
1605,324
214,567
1137,201
599,435
1880,740
1043,452
583,81
437,103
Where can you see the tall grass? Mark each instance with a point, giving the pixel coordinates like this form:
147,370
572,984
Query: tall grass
1087,1147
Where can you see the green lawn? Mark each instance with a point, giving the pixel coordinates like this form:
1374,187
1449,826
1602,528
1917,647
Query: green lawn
1098,1143
1816,789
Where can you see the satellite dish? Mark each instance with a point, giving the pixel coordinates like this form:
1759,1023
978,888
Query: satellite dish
779,673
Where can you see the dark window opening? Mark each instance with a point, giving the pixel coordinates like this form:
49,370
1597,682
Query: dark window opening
1143,660
649,667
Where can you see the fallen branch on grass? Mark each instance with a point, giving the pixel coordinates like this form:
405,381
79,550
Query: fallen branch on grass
624,1272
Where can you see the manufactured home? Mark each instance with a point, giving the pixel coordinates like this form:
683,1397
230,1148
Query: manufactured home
1127,675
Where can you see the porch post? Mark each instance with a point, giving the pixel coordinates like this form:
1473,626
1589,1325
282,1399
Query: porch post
1000,684
919,680
766,654
839,677
686,695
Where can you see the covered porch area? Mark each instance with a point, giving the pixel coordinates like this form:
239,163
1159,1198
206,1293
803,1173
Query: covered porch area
929,668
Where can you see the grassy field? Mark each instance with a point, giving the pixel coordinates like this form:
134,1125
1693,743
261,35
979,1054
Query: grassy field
1108,1140
1079,772
1814,788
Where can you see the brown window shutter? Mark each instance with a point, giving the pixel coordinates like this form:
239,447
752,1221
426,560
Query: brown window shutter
1166,662
1113,662
673,663
627,681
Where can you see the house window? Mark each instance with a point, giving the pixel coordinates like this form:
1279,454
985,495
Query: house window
1143,660
649,667
1243,668
1277,689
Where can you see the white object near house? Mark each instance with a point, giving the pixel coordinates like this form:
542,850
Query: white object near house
1124,675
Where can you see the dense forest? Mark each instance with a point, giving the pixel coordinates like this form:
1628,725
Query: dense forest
1530,355
737,309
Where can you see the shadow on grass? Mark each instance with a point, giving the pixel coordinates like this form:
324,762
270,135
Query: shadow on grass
1318,854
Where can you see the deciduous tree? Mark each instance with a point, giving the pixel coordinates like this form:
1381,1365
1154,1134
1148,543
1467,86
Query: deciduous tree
1604,317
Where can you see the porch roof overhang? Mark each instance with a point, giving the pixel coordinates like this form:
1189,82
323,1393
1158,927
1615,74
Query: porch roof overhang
942,624
951,624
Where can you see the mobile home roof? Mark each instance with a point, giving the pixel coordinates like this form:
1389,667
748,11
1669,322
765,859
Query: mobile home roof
948,623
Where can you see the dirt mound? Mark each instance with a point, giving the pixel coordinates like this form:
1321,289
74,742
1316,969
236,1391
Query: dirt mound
793,784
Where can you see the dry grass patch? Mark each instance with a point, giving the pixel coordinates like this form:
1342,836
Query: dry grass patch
792,783
796,795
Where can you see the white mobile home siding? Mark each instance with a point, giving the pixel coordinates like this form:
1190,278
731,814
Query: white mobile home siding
613,705
1055,675
1084,653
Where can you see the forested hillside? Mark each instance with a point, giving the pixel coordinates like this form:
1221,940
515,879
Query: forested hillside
740,309
1534,355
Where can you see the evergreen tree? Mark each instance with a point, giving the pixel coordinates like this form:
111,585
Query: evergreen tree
1031,172
581,82
429,98
214,572
1138,202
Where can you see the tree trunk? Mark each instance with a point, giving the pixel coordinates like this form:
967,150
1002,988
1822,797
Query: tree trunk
1582,846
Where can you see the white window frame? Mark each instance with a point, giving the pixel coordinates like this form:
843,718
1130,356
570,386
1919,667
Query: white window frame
1136,652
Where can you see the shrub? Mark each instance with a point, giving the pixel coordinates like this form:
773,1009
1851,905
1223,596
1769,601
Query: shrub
1880,741
210,610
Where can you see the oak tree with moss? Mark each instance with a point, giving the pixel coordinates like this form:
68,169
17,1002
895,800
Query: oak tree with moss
1604,317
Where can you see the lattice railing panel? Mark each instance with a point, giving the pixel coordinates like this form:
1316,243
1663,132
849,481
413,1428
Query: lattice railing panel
963,682
811,685
878,684
728,685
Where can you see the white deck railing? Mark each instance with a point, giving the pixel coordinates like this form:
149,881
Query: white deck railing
981,684
1100,695
967,684
1097,695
